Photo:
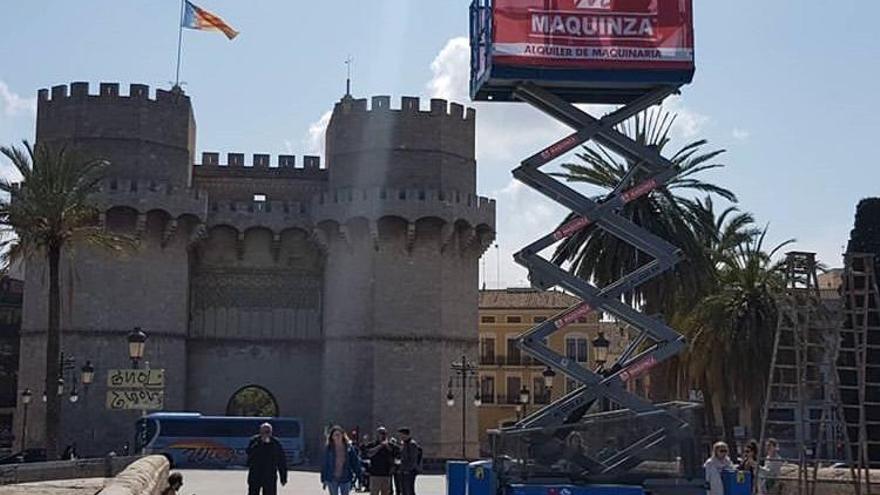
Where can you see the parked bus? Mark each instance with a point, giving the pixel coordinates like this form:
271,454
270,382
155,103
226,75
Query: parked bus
190,440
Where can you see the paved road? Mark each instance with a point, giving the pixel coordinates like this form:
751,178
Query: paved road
234,482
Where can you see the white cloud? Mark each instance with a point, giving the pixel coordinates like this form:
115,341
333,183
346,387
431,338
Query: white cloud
11,104
688,123
314,141
741,134
506,132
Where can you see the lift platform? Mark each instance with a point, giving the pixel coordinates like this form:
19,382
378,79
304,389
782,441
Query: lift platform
583,51
552,54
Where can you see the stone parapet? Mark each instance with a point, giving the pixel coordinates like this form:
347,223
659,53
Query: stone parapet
105,467
146,476
145,195
340,205
276,216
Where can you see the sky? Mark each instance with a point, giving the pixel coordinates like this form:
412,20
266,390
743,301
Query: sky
786,87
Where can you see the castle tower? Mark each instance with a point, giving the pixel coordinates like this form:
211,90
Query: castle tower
403,231
149,144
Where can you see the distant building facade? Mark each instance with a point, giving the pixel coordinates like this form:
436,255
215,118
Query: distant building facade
334,294
504,370
11,290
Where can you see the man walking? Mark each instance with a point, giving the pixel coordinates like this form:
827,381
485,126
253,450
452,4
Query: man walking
381,454
410,462
265,460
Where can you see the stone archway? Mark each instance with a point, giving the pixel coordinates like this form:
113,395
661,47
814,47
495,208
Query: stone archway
252,400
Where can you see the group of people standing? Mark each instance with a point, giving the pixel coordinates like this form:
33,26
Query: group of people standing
764,474
390,465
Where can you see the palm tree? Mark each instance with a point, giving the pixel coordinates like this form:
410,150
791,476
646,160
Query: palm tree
599,256
43,214
731,331
720,235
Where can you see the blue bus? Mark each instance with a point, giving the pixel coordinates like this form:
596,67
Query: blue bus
190,440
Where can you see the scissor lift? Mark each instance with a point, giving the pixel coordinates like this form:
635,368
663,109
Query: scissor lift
525,451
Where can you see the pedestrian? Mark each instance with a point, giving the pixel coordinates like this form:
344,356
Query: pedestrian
381,455
749,462
70,452
410,462
266,463
341,463
768,477
175,482
720,461
397,485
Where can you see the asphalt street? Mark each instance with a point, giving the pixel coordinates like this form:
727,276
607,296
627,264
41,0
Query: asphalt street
234,482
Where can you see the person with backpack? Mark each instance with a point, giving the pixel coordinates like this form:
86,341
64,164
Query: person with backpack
410,462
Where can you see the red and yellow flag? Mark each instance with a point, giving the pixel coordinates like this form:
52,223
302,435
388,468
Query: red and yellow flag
195,17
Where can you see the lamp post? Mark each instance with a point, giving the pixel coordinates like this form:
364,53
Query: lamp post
87,376
137,342
548,375
465,374
26,396
524,400
600,349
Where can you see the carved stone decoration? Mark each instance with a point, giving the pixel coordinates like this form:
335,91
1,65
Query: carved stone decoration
374,234
345,235
170,230
276,246
140,226
468,237
199,233
239,246
319,237
410,236
447,234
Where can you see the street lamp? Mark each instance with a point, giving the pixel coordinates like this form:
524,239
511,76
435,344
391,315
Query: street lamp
26,396
87,374
137,341
60,386
600,349
549,375
466,373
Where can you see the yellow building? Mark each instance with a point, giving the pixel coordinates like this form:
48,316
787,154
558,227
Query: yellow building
506,374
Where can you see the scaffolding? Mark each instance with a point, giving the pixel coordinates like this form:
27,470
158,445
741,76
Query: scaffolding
858,365
803,409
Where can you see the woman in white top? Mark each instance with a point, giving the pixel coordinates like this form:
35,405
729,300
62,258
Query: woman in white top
713,467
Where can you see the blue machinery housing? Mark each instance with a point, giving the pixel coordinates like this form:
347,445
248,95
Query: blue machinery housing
566,448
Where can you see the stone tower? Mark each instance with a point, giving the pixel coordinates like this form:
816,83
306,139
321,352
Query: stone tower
404,231
147,195
344,292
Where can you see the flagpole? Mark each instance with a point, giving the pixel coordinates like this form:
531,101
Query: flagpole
179,43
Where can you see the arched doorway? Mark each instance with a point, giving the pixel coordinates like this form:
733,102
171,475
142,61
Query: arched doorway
252,400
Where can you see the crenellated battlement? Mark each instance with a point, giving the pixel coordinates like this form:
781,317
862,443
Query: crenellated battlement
141,135
372,144
145,195
259,161
409,105
107,91
341,205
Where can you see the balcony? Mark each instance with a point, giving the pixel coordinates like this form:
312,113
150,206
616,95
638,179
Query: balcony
487,398
512,399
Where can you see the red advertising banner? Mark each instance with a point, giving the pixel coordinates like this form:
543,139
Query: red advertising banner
594,34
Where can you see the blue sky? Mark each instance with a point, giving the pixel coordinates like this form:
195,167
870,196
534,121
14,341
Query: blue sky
787,87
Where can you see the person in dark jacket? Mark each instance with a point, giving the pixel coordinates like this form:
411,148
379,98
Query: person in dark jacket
410,462
381,454
341,463
266,463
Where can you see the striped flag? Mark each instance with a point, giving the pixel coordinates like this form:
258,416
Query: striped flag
195,17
